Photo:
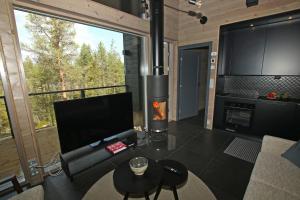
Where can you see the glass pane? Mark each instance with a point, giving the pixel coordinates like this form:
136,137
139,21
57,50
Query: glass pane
159,110
9,159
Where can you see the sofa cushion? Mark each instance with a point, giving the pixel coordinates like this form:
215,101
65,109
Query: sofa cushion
275,145
35,193
293,154
277,172
260,191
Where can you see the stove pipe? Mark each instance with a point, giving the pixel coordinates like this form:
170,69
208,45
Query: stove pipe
157,34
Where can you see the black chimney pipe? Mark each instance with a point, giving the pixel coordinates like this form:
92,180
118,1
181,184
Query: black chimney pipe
157,34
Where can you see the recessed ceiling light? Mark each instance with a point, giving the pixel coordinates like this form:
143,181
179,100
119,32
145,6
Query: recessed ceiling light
290,17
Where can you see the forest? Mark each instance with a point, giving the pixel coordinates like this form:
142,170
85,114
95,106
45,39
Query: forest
58,63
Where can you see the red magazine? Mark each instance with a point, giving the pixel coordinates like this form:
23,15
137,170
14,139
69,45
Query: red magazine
116,147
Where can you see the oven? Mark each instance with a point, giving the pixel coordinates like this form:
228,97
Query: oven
238,116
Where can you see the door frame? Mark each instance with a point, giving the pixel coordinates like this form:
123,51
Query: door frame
180,51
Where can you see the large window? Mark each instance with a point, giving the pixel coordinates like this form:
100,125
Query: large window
67,60
9,159
5,130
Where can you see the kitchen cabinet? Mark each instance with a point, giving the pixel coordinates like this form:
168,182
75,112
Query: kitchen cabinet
225,52
282,50
219,113
241,51
264,46
277,118
297,122
247,51
274,118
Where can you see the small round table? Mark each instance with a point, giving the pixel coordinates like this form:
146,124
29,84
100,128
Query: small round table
127,183
171,179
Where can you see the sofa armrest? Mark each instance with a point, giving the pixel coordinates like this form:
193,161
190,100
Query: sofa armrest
275,145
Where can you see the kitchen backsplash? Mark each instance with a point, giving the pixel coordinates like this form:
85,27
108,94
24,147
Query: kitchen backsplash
261,85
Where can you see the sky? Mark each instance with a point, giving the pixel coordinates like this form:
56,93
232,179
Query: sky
84,34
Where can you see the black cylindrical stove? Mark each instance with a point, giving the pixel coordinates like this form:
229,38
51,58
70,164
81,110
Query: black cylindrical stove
157,84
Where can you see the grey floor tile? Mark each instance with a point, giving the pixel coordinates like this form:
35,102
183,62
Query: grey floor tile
200,150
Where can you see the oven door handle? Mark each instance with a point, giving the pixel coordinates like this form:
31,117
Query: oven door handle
238,108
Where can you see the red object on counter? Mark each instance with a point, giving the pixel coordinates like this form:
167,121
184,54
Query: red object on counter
272,95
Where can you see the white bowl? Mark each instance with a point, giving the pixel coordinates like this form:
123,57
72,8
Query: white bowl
138,165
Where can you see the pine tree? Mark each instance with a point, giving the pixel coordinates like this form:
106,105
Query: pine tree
53,49
53,46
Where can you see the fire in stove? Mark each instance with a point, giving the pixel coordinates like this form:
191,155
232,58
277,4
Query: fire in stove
159,110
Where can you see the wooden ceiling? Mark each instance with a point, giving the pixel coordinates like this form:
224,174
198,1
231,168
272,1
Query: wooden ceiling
221,12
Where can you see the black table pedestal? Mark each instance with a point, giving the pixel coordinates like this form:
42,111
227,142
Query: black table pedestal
126,182
171,179
127,195
159,190
175,193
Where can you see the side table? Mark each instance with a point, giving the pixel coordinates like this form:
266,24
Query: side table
171,179
127,183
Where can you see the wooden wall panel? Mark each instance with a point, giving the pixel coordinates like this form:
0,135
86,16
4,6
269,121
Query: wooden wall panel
9,161
13,79
220,12
92,12
171,20
171,24
48,143
47,140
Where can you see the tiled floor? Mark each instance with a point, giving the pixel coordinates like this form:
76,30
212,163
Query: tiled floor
199,149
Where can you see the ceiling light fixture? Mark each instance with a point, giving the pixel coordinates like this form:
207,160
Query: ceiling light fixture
203,20
198,3
198,15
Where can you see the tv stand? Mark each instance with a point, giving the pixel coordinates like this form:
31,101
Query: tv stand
81,159
95,144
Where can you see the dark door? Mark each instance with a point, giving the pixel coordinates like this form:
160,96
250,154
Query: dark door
282,54
188,91
247,51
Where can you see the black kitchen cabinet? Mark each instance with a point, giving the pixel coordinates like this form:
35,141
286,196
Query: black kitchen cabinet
247,53
263,46
274,118
297,122
241,51
219,113
225,52
282,51
277,118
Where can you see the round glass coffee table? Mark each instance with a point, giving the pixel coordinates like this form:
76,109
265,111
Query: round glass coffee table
127,183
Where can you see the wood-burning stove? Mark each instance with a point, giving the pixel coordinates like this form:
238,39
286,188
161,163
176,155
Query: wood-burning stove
157,84
158,103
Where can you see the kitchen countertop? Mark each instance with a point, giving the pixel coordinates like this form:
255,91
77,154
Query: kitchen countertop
248,97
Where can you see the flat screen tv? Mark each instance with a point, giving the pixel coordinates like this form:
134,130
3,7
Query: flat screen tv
82,122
